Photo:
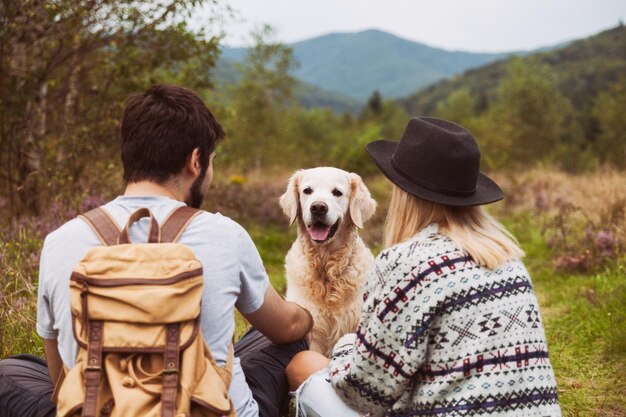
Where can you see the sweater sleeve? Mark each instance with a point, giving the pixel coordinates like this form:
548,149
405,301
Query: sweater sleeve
373,368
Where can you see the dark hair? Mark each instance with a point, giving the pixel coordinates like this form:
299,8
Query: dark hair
161,128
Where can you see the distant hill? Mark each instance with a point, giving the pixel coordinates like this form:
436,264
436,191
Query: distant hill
583,67
308,95
355,64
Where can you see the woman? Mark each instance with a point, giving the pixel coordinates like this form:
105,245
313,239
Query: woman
450,325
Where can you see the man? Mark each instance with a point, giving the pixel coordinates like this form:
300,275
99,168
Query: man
168,140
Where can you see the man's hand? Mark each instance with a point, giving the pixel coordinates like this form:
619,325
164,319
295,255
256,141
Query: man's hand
280,320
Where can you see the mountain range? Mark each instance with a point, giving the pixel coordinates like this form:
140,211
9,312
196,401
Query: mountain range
356,64
340,70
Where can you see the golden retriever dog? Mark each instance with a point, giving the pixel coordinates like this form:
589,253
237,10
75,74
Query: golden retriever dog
326,266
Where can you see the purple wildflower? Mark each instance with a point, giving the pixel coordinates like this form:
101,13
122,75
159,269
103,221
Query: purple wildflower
605,242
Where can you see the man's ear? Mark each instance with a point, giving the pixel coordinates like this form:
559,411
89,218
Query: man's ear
290,200
193,163
362,205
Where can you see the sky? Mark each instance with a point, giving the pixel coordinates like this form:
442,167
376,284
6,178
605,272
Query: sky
468,25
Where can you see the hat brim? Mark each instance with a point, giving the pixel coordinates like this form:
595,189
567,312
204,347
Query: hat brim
381,152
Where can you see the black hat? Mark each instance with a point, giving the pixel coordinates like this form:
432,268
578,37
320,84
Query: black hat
438,161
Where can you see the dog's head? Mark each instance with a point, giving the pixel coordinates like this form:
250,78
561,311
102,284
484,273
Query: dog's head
326,199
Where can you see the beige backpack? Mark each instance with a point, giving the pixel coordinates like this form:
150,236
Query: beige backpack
136,318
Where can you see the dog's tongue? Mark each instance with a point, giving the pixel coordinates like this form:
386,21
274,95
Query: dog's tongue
319,232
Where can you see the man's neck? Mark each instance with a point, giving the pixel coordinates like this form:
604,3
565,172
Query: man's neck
149,188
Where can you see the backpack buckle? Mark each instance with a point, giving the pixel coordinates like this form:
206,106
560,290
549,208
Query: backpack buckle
170,368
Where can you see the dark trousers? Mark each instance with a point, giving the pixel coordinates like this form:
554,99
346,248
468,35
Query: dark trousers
25,386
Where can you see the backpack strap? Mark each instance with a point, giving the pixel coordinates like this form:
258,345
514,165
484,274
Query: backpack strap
176,223
103,225
171,370
154,235
94,369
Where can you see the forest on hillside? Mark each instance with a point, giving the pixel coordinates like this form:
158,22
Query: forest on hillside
564,103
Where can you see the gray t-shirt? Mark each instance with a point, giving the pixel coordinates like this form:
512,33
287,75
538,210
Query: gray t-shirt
234,276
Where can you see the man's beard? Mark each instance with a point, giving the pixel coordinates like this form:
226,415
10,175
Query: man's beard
196,196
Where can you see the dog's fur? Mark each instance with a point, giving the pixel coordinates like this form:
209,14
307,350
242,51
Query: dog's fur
327,276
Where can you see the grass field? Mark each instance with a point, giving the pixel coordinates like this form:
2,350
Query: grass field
573,229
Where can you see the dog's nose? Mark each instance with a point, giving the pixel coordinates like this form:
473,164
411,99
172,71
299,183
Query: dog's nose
319,208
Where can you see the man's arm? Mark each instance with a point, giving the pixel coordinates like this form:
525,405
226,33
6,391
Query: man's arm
280,320
53,358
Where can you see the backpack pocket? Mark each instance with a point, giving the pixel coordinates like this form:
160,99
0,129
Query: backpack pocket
210,393
203,382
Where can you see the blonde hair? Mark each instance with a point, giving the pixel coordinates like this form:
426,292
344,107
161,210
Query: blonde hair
471,227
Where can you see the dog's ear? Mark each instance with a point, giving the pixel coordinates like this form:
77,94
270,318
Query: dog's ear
362,205
290,200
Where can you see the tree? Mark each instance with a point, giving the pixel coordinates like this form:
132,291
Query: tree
65,67
458,107
389,117
608,110
311,133
374,104
350,154
261,100
528,123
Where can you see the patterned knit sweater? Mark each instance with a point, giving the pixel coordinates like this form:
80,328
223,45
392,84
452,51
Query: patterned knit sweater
442,336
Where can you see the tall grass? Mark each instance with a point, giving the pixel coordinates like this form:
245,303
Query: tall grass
18,271
20,246
582,217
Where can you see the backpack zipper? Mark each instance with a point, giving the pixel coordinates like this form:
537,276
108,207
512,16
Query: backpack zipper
114,282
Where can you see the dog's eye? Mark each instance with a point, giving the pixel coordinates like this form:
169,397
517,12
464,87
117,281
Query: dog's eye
307,190
337,193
